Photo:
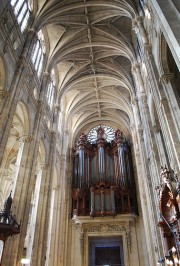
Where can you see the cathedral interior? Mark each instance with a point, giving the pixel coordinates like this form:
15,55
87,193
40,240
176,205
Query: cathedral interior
89,132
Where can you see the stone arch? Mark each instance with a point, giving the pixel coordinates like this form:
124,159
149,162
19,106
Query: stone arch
14,150
34,204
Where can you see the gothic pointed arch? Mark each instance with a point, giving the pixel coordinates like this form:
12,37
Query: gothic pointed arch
18,135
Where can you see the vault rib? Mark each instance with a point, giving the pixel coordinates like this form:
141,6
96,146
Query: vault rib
92,61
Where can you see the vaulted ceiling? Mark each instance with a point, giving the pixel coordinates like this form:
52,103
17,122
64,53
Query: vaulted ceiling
89,43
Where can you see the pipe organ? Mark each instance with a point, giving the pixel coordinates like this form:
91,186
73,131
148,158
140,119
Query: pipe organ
103,180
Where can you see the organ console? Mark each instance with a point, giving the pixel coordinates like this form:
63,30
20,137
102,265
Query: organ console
103,179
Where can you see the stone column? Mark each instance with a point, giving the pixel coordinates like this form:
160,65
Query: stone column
145,139
138,78
11,99
162,104
47,200
19,202
40,236
26,187
138,23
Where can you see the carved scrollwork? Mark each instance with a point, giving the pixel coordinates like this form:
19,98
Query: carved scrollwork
128,239
105,228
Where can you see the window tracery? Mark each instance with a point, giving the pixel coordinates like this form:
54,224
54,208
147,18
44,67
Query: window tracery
50,91
38,52
109,134
21,10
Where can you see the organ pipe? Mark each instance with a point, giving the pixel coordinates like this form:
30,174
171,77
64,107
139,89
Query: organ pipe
103,176
81,166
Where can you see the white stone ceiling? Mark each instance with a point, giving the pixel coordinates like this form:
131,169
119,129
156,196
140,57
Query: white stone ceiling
89,42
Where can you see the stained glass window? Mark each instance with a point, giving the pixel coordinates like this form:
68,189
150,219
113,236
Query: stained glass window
109,134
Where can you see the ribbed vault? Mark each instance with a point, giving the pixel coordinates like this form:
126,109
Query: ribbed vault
90,44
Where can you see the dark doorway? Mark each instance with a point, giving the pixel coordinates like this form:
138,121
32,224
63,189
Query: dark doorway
106,251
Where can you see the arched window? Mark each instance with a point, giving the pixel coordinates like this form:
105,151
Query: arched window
50,94
51,90
37,54
22,12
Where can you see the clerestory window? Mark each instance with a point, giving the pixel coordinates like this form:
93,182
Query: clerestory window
21,10
51,90
38,53
109,134
50,95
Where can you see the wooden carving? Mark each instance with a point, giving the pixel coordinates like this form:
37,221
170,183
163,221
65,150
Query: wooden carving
103,182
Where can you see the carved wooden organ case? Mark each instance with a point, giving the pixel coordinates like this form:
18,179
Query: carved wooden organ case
103,181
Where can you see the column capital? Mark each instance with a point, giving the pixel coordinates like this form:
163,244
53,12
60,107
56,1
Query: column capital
138,19
166,77
163,102
31,30
134,101
148,48
156,129
143,98
43,166
66,131
135,67
25,138
57,108
46,74
40,106
3,94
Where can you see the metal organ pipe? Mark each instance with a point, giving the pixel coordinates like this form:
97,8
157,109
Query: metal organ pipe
121,156
102,202
81,169
116,169
128,163
87,171
101,156
112,201
76,183
92,202
101,162
81,166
